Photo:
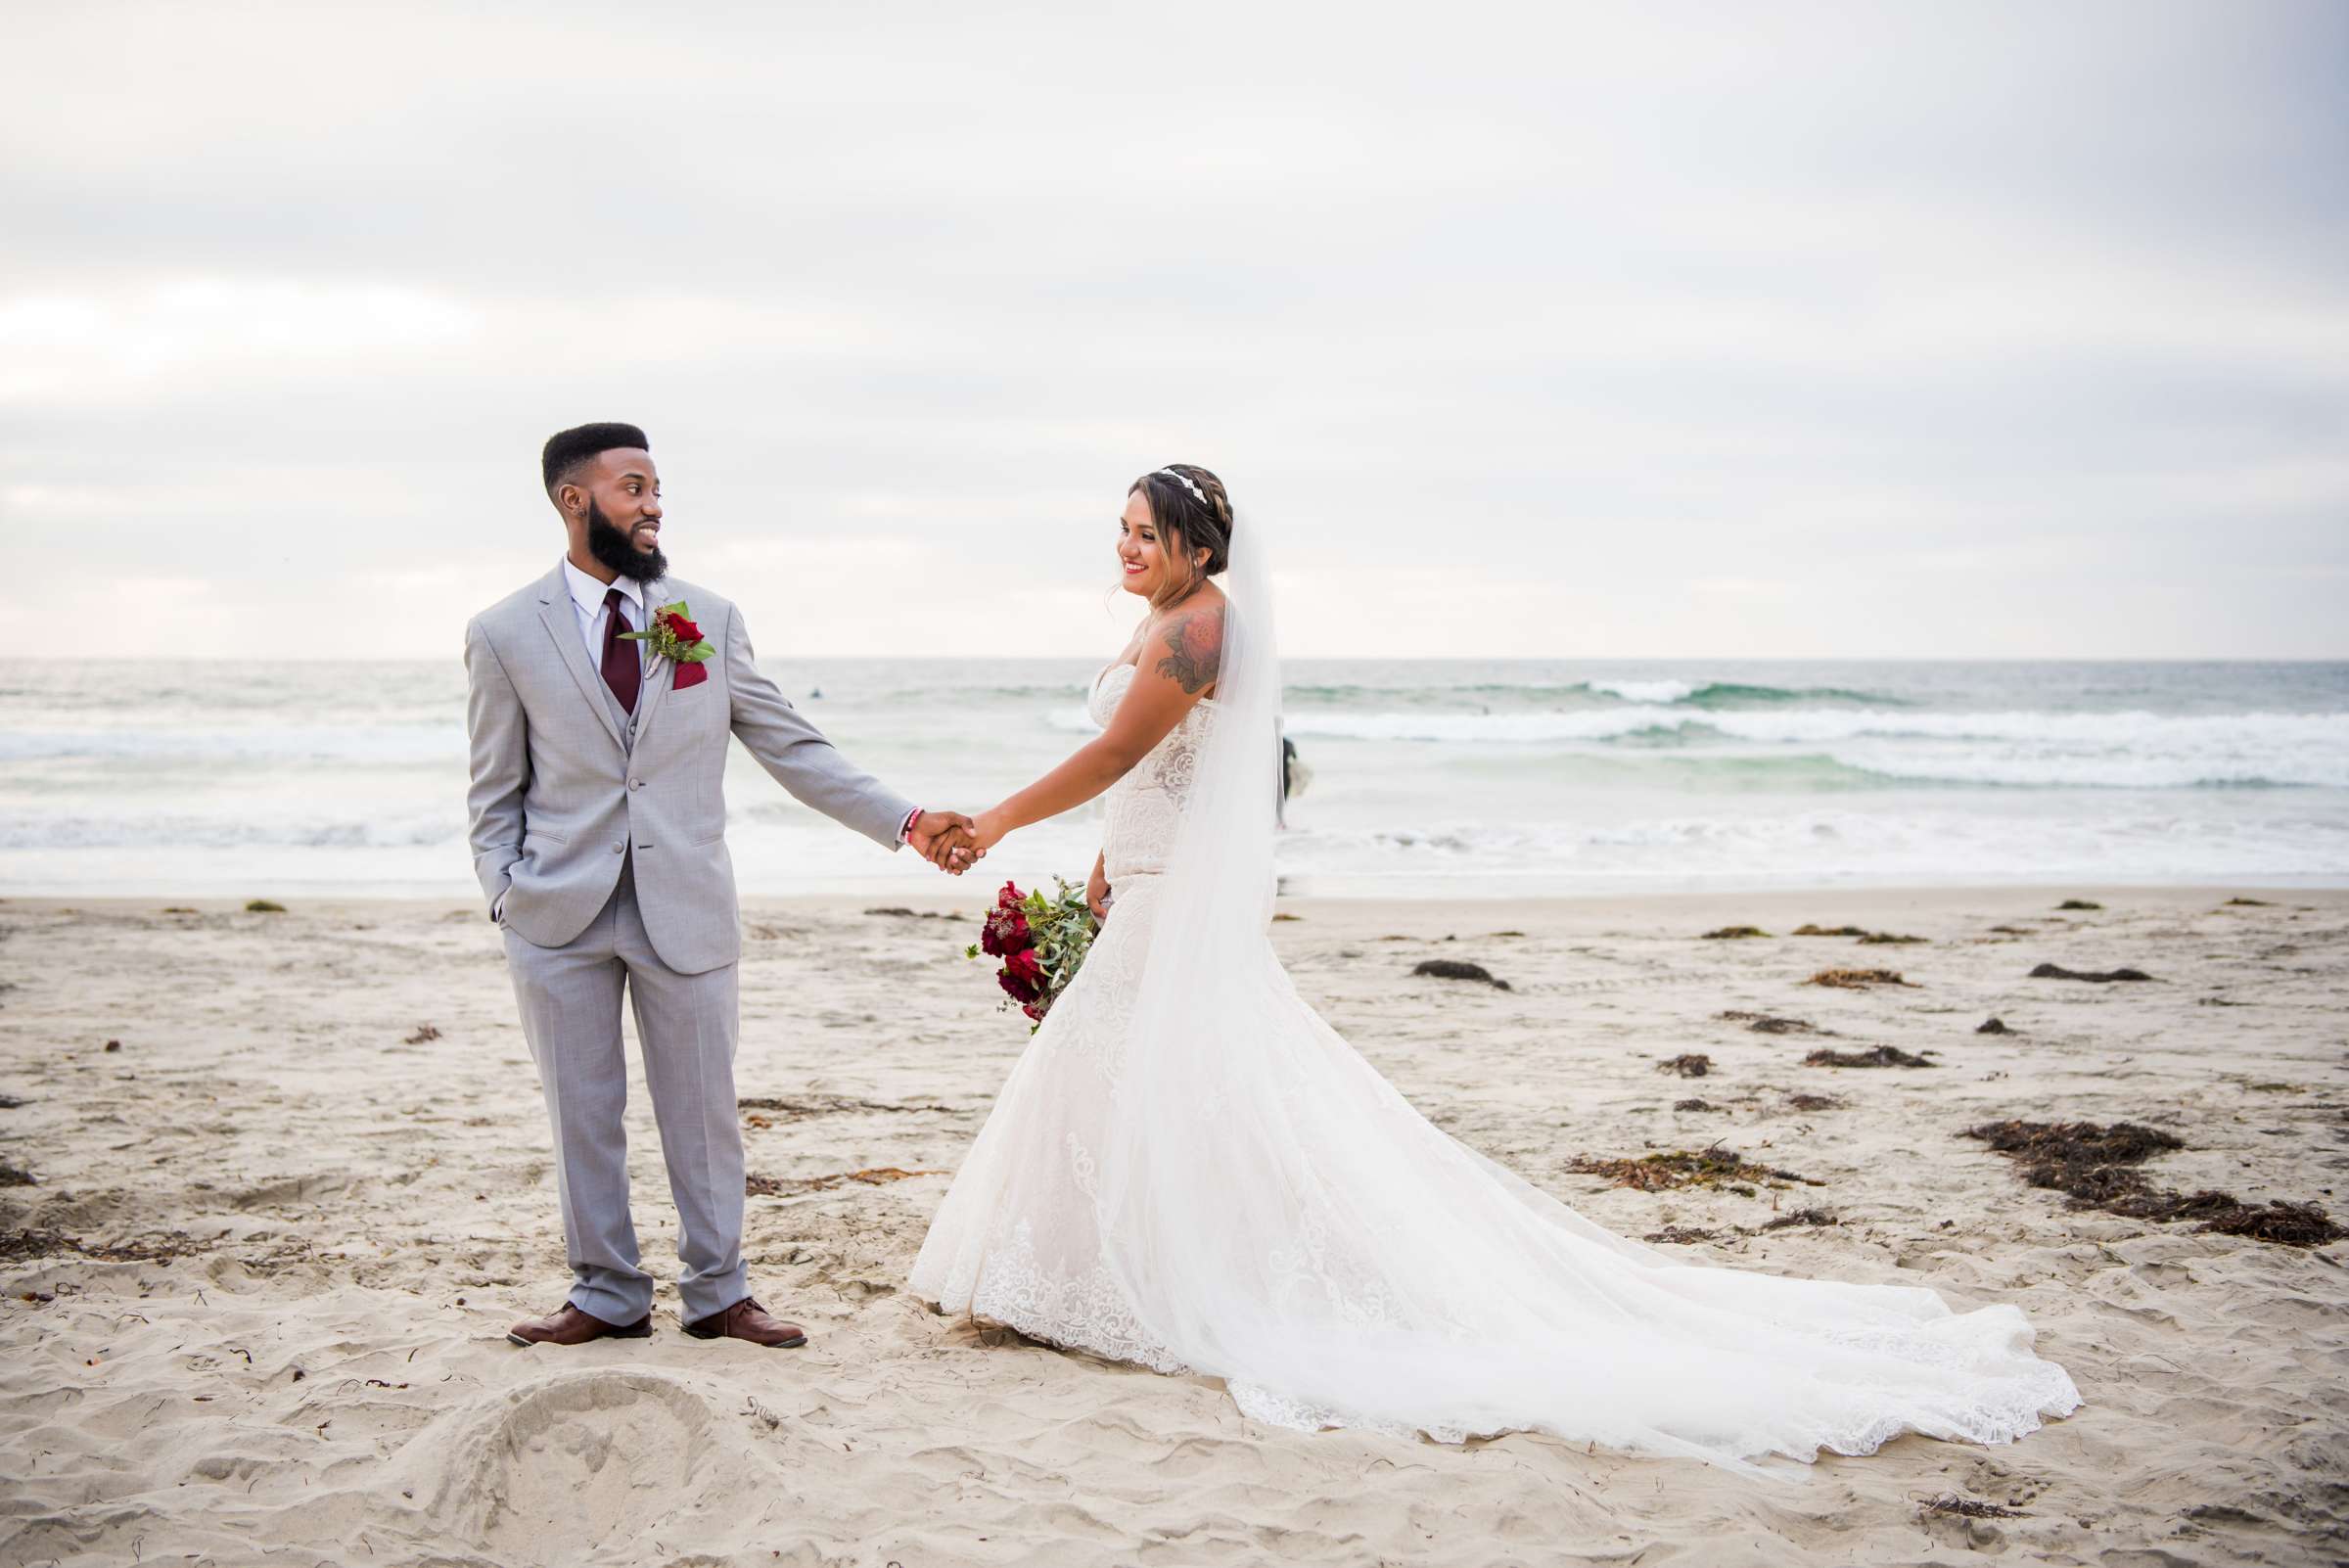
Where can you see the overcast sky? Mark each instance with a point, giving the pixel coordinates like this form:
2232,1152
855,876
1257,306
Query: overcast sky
1872,329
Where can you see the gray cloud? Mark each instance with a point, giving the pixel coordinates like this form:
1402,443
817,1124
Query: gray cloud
1531,330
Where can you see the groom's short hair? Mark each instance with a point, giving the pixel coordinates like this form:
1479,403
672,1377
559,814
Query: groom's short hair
567,449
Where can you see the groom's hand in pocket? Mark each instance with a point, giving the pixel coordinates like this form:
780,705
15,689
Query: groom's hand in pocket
944,839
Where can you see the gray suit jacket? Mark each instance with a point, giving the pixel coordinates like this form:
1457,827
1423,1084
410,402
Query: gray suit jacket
564,786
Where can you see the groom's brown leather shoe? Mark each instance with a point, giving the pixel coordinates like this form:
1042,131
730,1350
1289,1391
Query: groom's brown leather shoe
571,1327
746,1320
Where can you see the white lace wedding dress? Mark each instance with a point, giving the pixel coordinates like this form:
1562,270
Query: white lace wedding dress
1239,1194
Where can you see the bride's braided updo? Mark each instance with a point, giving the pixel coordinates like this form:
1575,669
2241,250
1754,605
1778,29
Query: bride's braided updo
1193,512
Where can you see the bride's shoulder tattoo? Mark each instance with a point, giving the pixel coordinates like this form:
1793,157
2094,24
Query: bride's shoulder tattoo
1195,649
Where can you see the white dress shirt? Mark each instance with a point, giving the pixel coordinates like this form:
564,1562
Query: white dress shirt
587,606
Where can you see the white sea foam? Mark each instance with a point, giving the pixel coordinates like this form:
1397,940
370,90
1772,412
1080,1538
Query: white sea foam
1645,691
1925,845
1428,777
2125,750
139,831
343,745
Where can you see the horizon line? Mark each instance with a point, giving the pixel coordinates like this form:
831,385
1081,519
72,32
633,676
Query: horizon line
456,659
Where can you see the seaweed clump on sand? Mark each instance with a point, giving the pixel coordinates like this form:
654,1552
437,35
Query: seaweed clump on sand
1692,1064
1684,1235
1868,938
1454,969
15,1176
1694,1105
2096,1167
1858,979
2078,904
35,1242
1814,1102
2061,1154
800,1107
1677,1235
2095,977
1667,1168
2290,1224
1765,1024
1948,1502
1735,934
767,1187
1881,1056
18,1245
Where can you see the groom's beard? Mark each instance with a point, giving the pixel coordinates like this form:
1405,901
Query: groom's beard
612,547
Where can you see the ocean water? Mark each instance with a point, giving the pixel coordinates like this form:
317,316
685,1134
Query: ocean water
1429,778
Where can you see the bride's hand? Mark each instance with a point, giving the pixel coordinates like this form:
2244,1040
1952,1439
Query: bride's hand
987,829
1096,891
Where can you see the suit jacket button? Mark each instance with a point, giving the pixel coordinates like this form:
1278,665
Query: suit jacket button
635,783
621,848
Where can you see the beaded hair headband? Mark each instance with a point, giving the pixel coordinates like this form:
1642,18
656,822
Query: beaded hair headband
1197,493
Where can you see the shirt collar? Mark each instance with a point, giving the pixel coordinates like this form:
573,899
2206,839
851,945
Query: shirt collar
589,594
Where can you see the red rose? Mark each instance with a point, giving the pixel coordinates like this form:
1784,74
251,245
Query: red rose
1006,935
1022,978
1009,897
1006,932
684,630
1032,1011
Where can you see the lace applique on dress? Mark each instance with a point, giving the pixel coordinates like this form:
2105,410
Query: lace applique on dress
1145,806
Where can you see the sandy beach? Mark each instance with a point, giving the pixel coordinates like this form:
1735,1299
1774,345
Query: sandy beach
277,1182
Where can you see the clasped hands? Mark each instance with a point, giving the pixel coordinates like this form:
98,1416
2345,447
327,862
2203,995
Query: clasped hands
947,840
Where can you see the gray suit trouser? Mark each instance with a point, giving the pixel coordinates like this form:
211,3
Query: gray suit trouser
686,1025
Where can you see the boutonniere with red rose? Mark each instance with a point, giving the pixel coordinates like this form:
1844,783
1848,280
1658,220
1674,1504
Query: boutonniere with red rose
675,638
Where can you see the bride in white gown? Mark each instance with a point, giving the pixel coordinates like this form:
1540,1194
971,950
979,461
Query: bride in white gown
1189,1169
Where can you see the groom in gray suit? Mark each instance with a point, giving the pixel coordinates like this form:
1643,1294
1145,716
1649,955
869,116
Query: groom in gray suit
599,729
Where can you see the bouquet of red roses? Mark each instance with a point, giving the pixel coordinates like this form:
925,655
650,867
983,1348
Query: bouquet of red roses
1043,942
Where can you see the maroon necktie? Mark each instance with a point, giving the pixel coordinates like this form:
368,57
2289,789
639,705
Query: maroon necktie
622,666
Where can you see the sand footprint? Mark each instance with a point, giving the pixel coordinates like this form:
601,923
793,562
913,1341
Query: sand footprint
585,1463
